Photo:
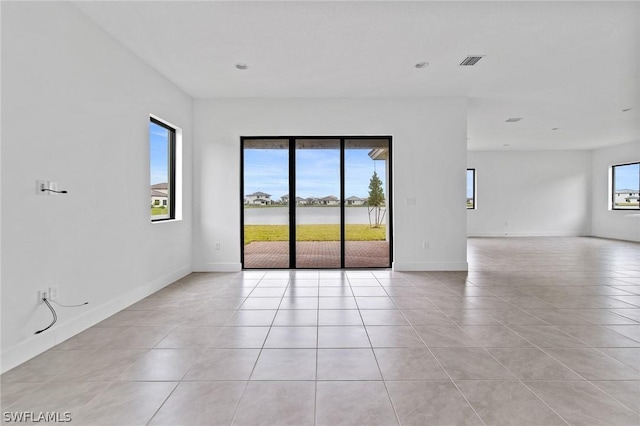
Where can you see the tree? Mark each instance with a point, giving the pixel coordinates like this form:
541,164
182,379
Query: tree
376,201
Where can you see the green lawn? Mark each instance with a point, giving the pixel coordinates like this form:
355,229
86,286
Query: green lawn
313,233
158,210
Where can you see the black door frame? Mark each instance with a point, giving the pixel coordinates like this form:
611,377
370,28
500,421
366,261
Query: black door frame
292,192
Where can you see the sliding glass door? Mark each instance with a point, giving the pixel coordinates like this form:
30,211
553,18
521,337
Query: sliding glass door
366,210
265,203
316,202
317,210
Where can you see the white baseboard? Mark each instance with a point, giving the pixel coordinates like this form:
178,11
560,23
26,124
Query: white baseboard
430,266
527,234
613,236
62,331
221,267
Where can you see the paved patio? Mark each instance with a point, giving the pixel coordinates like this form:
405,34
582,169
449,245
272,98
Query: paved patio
317,254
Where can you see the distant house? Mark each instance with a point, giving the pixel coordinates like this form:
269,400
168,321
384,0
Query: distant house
301,201
354,201
329,201
160,194
258,199
159,198
309,201
284,199
161,187
626,197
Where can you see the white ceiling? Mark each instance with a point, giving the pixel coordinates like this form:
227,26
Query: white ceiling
572,65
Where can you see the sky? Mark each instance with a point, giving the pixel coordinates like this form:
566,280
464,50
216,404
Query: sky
627,177
469,184
158,146
317,172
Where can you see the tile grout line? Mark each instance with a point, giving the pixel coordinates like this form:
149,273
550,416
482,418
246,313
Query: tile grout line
315,395
237,405
181,380
506,369
442,367
384,382
246,385
586,380
552,357
164,401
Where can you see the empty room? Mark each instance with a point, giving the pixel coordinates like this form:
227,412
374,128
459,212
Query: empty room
320,212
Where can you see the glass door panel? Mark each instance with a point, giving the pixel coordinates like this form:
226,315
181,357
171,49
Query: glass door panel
366,172
316,202
317,208
266,203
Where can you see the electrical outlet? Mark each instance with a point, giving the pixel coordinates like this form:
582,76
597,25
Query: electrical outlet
40,185
53,293
217,246
43,294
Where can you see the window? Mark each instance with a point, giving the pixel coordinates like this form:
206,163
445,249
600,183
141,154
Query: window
625,186
162,161
471,189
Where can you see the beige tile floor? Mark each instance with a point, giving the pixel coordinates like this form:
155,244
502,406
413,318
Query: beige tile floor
540,331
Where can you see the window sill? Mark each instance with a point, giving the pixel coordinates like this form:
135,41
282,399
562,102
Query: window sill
156,222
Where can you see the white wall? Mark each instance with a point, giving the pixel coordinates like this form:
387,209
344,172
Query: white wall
619,224
429,157
75,110
531,193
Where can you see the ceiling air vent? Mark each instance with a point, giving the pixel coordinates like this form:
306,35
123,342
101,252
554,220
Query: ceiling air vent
513,120
471,60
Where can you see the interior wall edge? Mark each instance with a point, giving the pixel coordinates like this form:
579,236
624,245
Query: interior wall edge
430,266
584,233
220,267
618,236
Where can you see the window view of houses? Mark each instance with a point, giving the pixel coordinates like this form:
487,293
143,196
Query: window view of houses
471,188
159,198
626,198
626,186
263,199
161,169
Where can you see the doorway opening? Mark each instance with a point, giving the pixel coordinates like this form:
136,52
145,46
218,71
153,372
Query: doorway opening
316,202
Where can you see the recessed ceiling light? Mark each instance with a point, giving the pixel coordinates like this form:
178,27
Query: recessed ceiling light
514,119
555,128
471,60
242,66
627,109
422,64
